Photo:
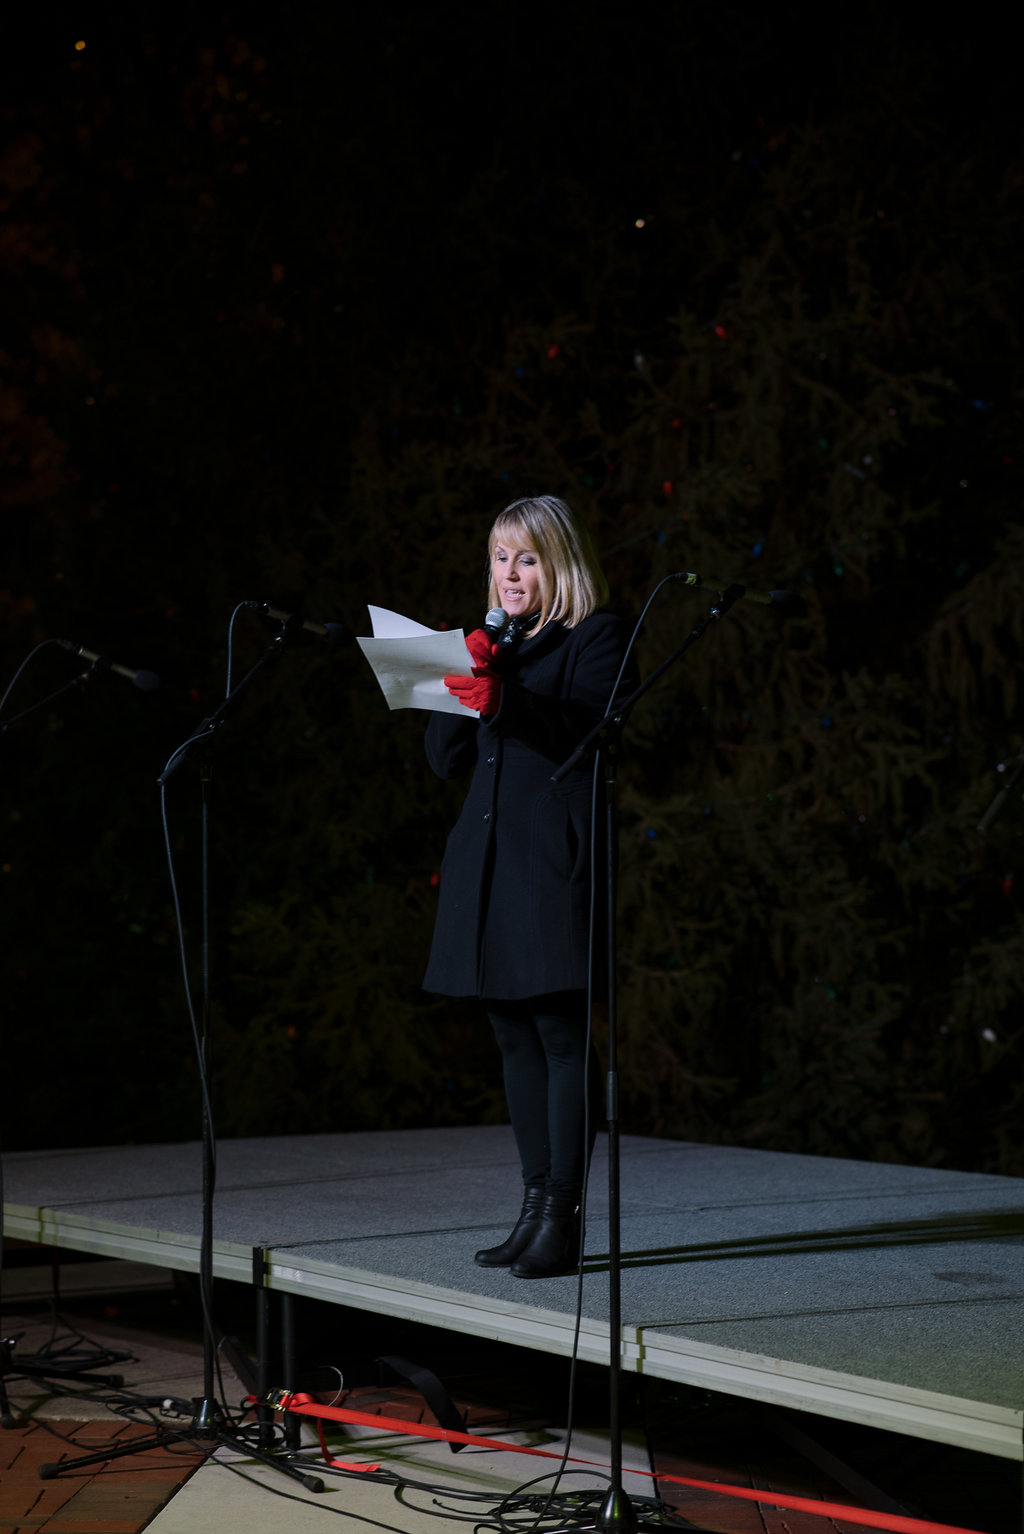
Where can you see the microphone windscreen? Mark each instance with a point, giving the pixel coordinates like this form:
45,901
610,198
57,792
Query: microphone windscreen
496,622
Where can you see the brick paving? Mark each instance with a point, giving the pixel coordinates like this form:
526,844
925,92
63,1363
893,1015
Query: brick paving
114,1497
734,1443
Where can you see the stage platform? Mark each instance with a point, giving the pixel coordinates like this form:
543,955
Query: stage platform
879,1294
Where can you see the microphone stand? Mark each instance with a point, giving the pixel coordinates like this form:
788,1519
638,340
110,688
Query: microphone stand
37,1367
210,1424
617,1515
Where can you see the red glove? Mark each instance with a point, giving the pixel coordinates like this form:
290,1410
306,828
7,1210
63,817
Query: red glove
482,647
480,692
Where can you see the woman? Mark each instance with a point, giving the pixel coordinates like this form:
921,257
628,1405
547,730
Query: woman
513,919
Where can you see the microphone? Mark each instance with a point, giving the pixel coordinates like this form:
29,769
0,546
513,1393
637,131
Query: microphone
147,680
767,598
334,633
496,622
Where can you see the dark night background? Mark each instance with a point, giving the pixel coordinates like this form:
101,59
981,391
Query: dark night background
293,301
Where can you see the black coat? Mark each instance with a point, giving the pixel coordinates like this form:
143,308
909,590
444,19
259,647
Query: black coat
514,907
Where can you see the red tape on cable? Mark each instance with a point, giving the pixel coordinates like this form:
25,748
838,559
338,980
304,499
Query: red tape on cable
305,1406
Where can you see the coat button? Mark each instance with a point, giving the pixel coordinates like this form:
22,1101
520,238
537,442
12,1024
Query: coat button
490,761
487,814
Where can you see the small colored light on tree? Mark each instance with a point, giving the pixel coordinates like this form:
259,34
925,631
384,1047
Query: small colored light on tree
721,332
553,349
79,46
667,487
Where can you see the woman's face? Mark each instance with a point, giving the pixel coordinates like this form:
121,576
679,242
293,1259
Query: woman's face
517,576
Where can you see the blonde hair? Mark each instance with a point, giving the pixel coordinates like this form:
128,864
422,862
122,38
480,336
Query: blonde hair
572,583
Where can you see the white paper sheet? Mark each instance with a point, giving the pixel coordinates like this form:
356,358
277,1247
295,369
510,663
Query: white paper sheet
410,662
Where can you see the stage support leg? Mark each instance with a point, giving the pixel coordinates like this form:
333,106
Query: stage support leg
263,1413
292,1426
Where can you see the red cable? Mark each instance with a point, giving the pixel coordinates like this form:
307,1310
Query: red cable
305,1406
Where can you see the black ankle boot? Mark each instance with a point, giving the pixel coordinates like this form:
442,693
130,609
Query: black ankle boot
555,1243
504,1255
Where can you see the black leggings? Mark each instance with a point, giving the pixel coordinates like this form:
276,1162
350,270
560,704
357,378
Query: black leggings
543,1043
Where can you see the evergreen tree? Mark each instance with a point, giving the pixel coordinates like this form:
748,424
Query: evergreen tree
286,330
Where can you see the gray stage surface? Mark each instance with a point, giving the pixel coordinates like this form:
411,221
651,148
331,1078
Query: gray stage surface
882,1294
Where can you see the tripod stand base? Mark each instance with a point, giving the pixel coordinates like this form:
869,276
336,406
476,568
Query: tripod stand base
617,1515
206,1438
